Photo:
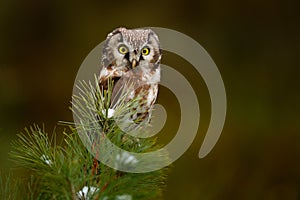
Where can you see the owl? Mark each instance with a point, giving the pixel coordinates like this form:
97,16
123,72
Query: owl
131,57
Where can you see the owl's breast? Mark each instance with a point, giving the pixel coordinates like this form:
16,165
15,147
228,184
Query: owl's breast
148,76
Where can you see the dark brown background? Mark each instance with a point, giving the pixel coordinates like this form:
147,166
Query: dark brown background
255,44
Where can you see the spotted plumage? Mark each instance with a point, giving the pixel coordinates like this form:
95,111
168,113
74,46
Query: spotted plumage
132,57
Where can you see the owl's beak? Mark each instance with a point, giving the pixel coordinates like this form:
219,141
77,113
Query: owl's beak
133,63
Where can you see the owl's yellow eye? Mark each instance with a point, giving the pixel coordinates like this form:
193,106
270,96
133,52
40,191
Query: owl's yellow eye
145,51
123,49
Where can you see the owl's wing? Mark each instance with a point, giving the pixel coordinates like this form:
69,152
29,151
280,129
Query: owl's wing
124,83
108,73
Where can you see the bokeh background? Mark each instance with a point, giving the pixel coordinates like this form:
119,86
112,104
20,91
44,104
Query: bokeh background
255,44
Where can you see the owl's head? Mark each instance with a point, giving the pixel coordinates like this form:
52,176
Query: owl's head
131,48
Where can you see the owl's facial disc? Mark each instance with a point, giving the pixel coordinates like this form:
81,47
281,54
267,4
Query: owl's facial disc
132,56
127,49
135,48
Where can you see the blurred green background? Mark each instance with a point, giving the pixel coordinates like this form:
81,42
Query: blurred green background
255,44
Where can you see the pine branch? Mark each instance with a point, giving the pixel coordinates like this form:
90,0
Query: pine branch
71,171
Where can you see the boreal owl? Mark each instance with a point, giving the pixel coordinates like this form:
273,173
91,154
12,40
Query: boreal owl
132,57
